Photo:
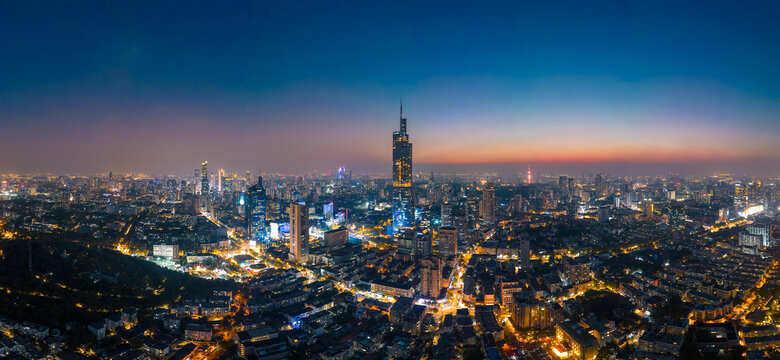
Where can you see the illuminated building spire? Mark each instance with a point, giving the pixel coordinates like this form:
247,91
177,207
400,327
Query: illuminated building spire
403,120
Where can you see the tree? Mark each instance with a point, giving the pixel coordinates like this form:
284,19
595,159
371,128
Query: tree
607,352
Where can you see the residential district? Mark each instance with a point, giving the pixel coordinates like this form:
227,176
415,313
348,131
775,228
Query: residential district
331,265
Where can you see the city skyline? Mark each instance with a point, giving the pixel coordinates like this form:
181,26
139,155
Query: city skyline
254,180
530,84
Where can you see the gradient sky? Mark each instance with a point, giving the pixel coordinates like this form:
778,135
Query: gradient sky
160,86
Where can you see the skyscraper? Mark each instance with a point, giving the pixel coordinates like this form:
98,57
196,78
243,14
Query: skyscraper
516,204
299,233
204,178
256,212
431,277
172,188
448,241
446,214
600,186
220,179
487,205
327,211
403,191
525,254
204,186
422,245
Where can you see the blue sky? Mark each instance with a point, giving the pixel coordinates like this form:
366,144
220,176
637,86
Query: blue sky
159,86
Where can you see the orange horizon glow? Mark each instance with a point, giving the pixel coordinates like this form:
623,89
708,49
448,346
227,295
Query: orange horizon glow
487,155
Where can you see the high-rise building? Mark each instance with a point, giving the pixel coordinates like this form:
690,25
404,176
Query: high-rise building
487,205
220,177
336,238
448,241
516,204
525,254
422,245
431,277
403,191
446,214
205,187
565,189
327,211
256,208
184,188
529,312
299,233
600,186
172,189
406,242
204,178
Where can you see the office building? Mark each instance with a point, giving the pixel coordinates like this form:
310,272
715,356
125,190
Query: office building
529,312
760,229
487,205
406,242
256,209
516,205
431,277
576,270
204,178
422,244
327,211
525,254
205,188
336,238
446,214
299,233
220,178
166,251
584,346
403,191
172,191
448,241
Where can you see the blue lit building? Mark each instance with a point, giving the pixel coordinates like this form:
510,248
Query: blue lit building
403,211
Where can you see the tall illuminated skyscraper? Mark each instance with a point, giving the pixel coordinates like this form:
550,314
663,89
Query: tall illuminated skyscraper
487,205
403,191
299,233
220,178
256,212
204,178
205,188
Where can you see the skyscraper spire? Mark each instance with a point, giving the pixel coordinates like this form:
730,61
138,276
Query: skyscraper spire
403,121
403,192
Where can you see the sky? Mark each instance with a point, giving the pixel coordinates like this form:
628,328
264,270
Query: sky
159,86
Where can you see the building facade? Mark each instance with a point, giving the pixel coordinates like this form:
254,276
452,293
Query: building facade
256,206
299,233
448,241
403,191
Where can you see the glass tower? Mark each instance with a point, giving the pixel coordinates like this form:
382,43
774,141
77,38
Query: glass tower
403,191
256,212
